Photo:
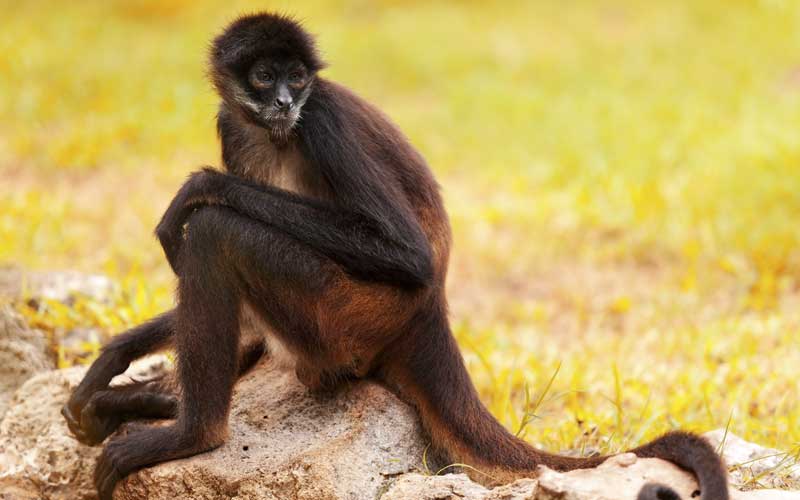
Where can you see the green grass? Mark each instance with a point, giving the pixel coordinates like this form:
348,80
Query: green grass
623,179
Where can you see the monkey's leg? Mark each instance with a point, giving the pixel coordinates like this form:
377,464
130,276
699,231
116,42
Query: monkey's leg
207,335
144,339
225,260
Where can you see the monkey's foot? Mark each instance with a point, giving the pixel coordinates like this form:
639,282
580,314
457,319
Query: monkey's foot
144,446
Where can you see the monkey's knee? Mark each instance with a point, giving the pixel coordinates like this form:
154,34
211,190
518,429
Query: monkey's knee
207,228
209,247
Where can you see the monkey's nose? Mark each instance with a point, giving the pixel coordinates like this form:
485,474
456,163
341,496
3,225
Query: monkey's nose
283,103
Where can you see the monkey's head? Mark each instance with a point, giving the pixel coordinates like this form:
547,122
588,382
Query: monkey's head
265,65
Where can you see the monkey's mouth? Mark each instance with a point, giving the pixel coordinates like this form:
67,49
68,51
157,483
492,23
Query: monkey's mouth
282,116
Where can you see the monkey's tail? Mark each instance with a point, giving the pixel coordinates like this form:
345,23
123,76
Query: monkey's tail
428,371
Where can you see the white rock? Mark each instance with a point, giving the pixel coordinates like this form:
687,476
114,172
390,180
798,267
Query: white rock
39,459
456,487
38,456
754,465
287,444
23,353
619,478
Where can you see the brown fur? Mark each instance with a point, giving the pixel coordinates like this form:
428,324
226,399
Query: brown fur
331,233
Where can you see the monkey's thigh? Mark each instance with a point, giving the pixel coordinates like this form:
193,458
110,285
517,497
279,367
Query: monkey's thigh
333,324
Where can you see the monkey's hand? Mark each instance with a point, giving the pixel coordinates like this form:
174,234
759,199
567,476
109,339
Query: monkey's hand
202,188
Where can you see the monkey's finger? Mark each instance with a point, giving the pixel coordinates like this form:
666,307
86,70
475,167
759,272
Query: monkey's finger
72,423
82,431
67,414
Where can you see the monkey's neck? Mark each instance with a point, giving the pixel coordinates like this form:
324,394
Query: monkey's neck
249,150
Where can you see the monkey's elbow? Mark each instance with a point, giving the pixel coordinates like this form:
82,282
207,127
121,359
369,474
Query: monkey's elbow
411,268
422,272
166,238
161,234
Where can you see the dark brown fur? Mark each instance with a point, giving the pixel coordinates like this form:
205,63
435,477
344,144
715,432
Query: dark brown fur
331,232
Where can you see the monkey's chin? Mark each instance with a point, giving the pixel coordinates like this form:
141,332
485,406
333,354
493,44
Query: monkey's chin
280,130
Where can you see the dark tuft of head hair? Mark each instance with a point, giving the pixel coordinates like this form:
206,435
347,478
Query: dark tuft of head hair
263,35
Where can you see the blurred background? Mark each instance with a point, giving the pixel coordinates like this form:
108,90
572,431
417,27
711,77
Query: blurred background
623,179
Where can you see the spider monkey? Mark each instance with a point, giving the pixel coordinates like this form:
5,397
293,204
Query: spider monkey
328,228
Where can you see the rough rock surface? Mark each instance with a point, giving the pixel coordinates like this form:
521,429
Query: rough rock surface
456,487
38,458
752,465
619,478
23,353
287,444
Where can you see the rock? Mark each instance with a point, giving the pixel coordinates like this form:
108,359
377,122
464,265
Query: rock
754,465
456,487
287,444
23,353
619,478
284,444
54,285
38,456
359,444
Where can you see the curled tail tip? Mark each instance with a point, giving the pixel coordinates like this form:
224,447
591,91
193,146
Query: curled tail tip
690,452
655,491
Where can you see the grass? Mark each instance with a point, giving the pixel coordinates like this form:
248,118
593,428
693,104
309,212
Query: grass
623,180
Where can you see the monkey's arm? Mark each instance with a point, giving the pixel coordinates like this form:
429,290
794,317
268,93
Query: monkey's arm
355,240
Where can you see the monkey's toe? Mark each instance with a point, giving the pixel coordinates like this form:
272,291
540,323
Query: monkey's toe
108,472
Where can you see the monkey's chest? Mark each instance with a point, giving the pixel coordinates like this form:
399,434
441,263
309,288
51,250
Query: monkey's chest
289,178
286,169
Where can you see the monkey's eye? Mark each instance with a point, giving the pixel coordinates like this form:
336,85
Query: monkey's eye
297,78
260,78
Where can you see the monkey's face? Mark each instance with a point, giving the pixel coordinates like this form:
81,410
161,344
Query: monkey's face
264,65
272,93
